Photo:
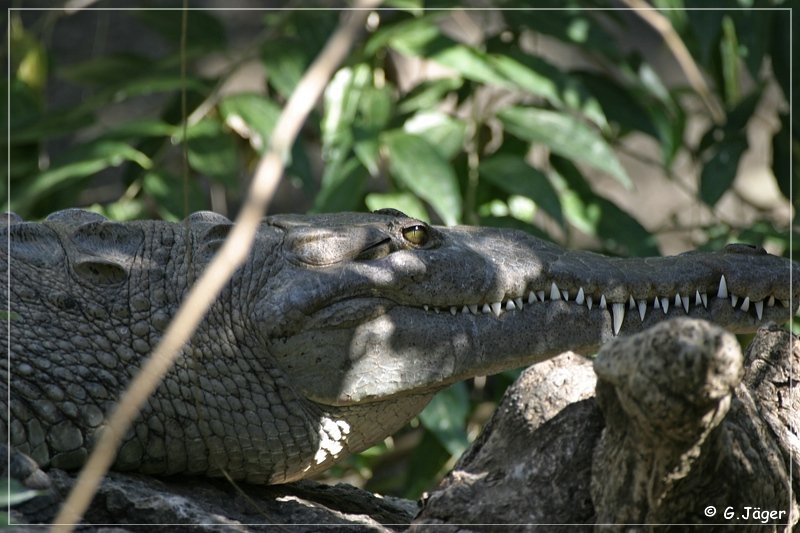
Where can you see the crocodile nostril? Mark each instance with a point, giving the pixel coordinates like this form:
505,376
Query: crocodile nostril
741,248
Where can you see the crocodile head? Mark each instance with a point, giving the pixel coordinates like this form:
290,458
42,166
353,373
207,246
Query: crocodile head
376,307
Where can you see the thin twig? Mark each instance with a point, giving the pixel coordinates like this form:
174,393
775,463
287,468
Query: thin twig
673,41
233,253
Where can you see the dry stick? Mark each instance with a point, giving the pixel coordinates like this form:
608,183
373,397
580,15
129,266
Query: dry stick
673,41
233,253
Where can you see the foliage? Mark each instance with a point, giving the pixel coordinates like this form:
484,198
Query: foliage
507,136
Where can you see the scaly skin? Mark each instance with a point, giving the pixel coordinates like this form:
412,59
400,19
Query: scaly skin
336,331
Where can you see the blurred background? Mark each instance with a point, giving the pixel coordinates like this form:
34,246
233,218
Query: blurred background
590,123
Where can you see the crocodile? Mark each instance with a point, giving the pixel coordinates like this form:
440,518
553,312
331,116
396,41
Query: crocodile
336,331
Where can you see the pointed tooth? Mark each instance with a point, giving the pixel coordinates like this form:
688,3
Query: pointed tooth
642,309
473,309
465,310
734,300
603,301
518,302
579,299
540,295
486,309
425,307
697,299
631,303
784,303
617,313
677,299
554,293
759,305
746,304
685,301
723,288
589,302
531,297
497,308
656,303
436,309
704,296
665,305
565,294
771,301
510,305
453,310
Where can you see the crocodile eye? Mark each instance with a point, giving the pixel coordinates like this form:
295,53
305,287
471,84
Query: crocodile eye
416,235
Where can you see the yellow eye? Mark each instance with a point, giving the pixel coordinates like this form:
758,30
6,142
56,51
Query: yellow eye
416,235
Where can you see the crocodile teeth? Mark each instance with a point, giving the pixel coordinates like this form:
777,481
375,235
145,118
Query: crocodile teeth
685,301
746,304
497,308
617,313
531,297
602,301
453,310
734,300
771,301
723,288
425,307
465,310
631,303
540,294
677,299
473,309
665,305
580,297
704,296
589,302
642,309
554,294
436,309
656,303
759,308
486,309
784,303
565,294
518,302
510,305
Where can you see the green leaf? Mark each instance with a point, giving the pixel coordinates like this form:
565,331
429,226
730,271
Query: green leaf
443,132
428,94
342,97
204,31
80,163
446,416
402,201
565,136
618,232
787,172
408,37
106,70
539,77
141,127
729,54
515,176
342,186
252,116
18,493
212,151
619,104
471,64
720,171
419,166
